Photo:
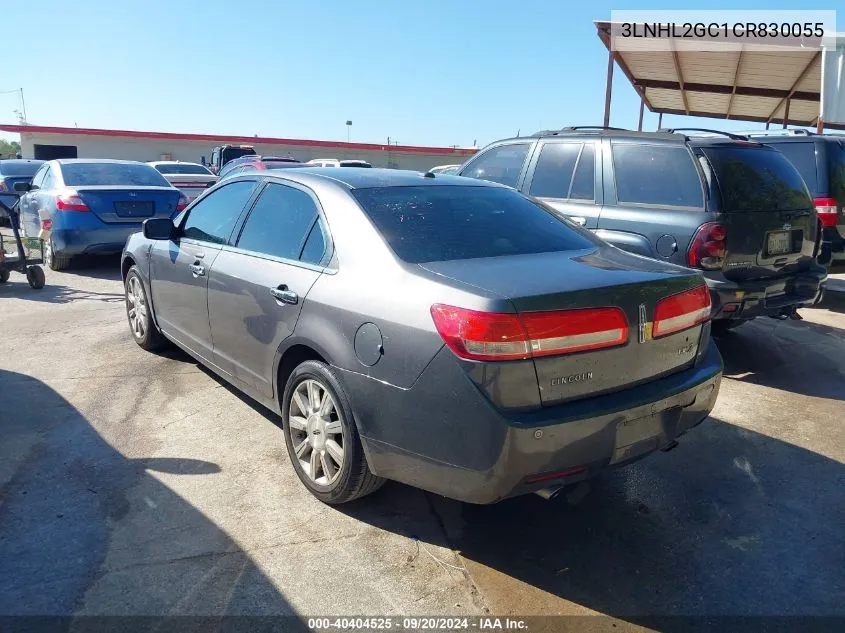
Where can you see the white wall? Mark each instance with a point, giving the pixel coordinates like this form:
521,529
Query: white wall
144,149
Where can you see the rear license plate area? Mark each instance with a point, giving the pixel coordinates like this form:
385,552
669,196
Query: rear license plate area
641,435
783,242
134,209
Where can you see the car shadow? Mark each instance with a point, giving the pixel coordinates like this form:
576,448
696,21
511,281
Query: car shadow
731,522
96,267
53,293
85,530
794,356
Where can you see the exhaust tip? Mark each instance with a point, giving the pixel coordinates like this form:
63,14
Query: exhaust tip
549,493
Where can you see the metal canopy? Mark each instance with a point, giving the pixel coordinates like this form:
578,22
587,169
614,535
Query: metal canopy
777,86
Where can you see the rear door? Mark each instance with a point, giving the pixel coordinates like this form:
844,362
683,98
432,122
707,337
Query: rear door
179,269
769,217
653,198
257,287
566,175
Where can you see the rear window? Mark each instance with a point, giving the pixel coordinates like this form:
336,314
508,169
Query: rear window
441,223
836,167
85,174
19,168
183,169
752,179
803,158
282,165
347,163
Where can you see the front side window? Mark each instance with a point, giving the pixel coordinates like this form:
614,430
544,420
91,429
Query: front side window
213,217
279,223
501,164
656,174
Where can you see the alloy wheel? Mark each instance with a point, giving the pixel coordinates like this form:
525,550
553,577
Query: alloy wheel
316,432
136,305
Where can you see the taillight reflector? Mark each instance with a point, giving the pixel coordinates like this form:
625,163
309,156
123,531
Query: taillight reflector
828,209
3,186
183,202
492,336
70,202
681,311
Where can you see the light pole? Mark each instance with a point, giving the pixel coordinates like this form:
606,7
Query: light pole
348,130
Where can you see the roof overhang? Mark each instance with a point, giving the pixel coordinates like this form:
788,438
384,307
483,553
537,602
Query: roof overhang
768,85
249,140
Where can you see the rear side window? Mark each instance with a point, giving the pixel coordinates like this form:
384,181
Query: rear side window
83,174
803,158
279,223
757,179
213,217
656,174
836,171
565,170
440,223
501,164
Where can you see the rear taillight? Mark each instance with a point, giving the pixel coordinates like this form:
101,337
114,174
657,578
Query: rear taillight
681,311
183,202
70,202
827,210
3,186
707,248
494,336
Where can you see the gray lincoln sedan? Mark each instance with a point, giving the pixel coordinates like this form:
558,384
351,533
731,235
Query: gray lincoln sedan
440,331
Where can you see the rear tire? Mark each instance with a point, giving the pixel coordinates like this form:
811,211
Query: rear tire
4,276
139,313
318,431
723,326
55,262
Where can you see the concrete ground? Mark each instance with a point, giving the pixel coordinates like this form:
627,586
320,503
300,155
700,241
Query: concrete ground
134,483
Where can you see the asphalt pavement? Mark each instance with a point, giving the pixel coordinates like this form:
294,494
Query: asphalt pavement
136,483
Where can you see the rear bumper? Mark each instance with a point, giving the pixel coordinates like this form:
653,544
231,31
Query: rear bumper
87,234
763,297
835,242
470,451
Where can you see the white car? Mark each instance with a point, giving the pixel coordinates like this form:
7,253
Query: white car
190,178
445,169
334,162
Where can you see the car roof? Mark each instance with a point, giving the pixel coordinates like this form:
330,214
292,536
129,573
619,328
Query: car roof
367,177
663,136
71,161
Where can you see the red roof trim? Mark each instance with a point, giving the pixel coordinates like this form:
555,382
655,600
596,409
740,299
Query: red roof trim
249,140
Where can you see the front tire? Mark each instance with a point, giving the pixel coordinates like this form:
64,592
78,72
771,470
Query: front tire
139,313
321,437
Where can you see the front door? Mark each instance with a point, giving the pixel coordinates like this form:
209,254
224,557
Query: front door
257,287
179,269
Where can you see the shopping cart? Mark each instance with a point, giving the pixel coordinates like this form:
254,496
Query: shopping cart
19,254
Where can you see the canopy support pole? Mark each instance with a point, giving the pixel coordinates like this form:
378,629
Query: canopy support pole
609,89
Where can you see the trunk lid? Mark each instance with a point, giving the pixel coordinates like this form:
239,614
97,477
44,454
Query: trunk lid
770,222
115,204
594,278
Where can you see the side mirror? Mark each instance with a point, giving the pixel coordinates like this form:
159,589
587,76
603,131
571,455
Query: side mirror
159,229
23,187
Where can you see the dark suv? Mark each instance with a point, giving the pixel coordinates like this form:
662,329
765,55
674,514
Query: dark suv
820,159
732,208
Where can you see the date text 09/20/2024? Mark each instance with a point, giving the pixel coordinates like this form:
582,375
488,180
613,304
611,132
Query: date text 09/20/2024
417,624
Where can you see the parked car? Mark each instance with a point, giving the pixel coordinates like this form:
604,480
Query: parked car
734,209
334,162
259,163
189,178
445,169
820,159
222,154
356,302
89,206
13,171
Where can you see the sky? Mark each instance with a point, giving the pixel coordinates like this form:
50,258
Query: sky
432,72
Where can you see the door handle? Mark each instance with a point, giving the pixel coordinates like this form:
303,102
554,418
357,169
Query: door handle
199,255
580,220
284,295
197,270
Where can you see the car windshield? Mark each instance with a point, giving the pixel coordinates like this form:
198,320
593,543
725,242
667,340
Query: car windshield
19,168
757,179
91,174
182,168
441,223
